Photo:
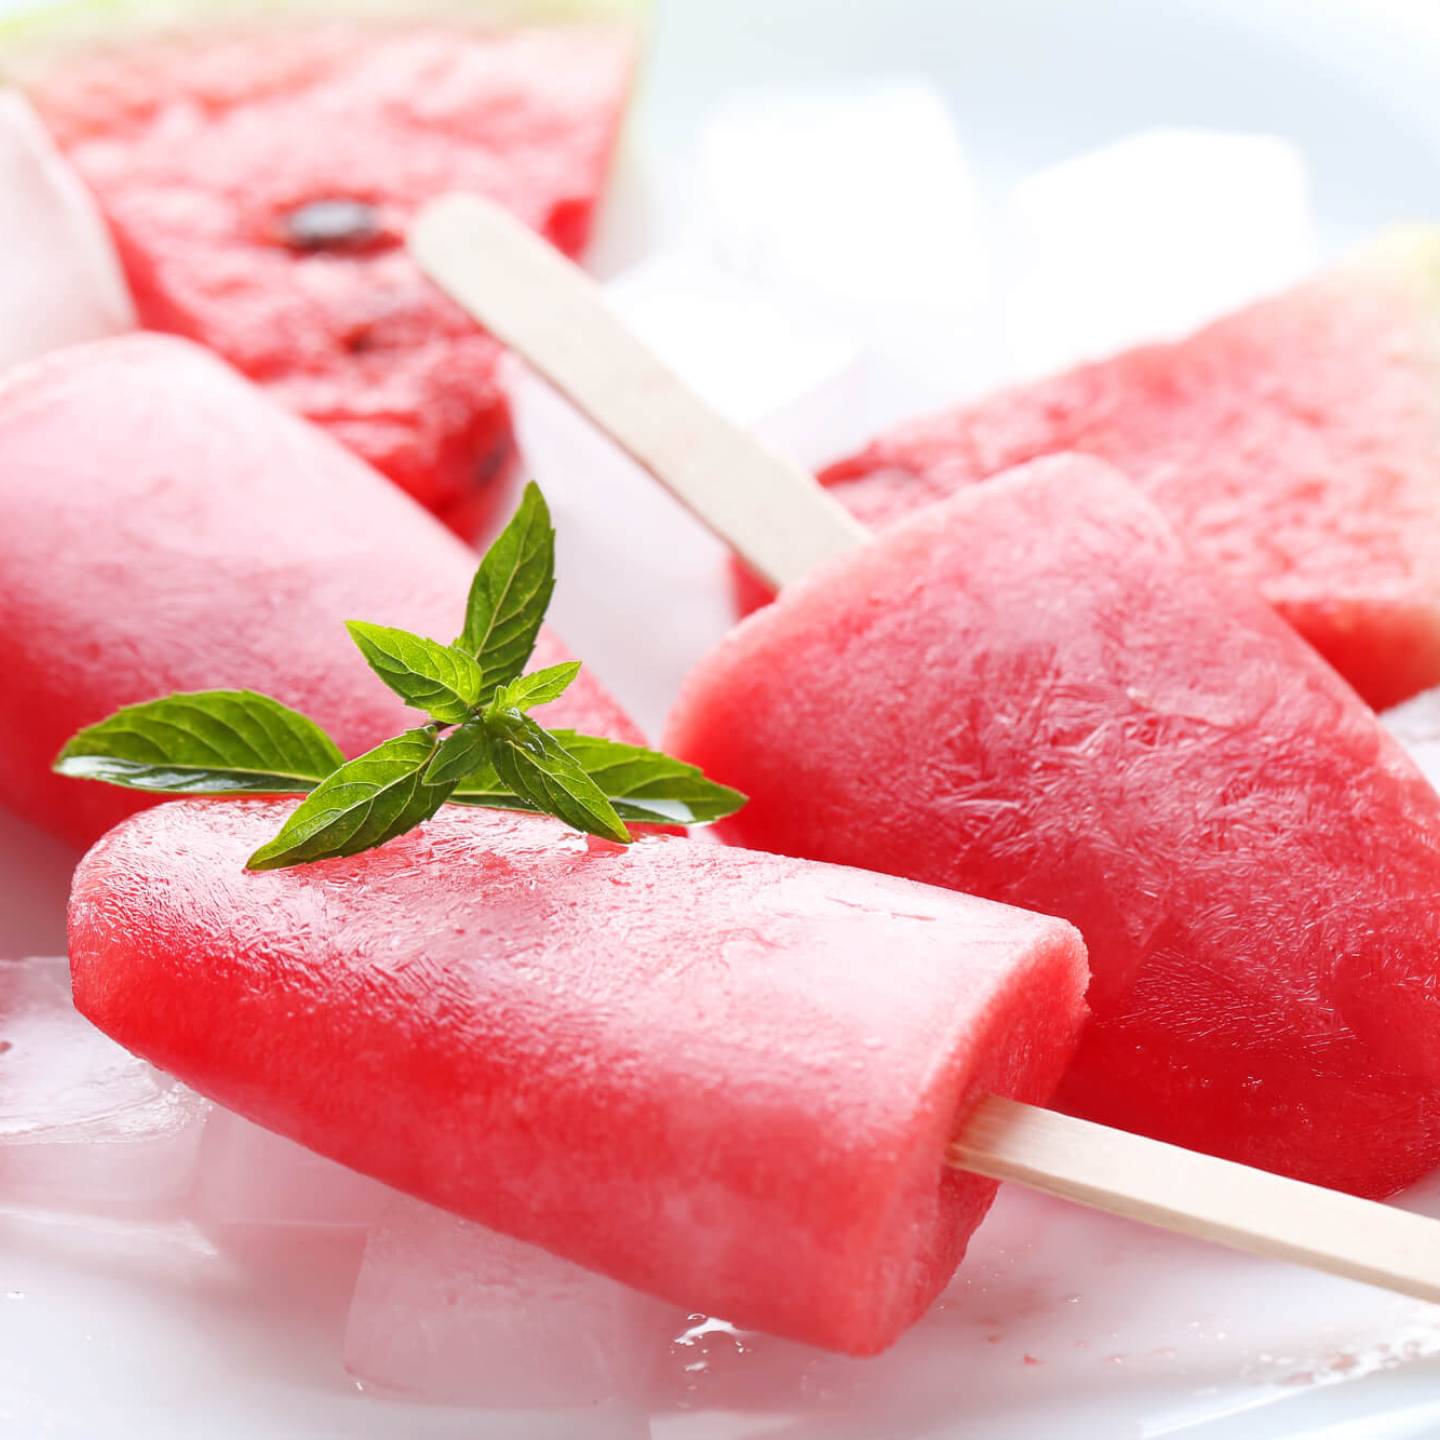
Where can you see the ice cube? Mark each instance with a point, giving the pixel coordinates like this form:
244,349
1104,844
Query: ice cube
1416,725
83,1123
60,280
621,536
250,1176
449,1311
860,205
1149,238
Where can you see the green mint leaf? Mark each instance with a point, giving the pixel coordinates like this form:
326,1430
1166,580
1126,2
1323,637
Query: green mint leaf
460,753
641,785
537,768
208,742
540,687
511,592
438,679
366,802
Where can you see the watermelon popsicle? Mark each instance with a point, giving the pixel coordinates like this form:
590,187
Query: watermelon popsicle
257,163
167,528
1035,693
729,1103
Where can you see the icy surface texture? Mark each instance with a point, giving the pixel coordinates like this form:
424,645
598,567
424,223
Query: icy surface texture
83,1124
249,1176
1032,692
447,1310
760,362
60,280
1150,237
490,1008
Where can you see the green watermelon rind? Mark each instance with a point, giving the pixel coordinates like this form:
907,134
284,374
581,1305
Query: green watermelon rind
32,39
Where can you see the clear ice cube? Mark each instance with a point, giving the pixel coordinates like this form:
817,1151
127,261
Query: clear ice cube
1149,238
60,279
860,205
83,1123
446,1310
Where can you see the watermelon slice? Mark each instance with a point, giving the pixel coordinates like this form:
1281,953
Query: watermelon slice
1296,444
166,528
258,178
1033,692
679,1064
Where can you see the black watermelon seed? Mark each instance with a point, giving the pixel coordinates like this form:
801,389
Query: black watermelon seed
331,225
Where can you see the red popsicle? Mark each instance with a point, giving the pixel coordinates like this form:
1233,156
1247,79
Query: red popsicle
1031,692
681,1064
1034,692
167,528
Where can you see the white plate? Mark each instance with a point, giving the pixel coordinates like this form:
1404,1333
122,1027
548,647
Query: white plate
1061,1324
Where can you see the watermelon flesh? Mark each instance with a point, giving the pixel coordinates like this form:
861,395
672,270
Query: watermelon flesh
1032,692
166,528
727,1079
258,182
1296,444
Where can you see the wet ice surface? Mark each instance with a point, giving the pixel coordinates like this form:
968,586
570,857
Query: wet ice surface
1061,1322
447,1310
83,1124
1069,1320
54,239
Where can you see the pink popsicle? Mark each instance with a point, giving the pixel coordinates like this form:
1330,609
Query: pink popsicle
725,1078
1032,692
167,528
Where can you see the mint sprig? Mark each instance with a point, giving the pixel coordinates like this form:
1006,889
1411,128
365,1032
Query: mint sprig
482,747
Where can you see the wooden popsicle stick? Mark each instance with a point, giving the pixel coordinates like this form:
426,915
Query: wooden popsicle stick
767,509
782,523
1192,1194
